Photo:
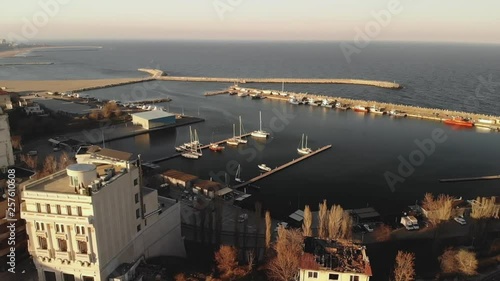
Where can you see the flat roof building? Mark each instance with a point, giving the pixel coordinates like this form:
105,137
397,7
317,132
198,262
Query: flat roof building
179,178
153,119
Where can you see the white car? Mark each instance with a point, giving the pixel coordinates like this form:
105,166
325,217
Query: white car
33,153
460,220
368,227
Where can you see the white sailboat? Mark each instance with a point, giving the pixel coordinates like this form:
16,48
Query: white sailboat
191,151
260,133
196,146
264,167
238,175
303,149
233,141
240,138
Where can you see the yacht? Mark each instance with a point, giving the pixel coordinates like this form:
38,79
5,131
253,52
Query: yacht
240,138
260,133
303,149
233,141
237,177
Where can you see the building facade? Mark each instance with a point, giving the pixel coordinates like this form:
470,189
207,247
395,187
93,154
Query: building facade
86,221
6,151
153,119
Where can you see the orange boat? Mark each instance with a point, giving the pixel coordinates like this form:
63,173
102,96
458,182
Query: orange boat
459,121
359,108
216,147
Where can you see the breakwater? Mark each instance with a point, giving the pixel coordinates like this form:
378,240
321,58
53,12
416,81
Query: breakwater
380,84
127,82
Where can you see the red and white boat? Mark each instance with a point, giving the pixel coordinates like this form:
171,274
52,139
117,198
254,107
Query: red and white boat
459,121
359,108
215,147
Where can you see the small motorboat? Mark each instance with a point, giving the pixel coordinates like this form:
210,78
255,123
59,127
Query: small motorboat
264,167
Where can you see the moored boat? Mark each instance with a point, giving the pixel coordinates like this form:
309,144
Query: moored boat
215,147
264,167
293,100
303,149
233,141
359,108
260,133
240,138
459,121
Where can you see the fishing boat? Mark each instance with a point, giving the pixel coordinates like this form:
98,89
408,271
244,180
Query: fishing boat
242,94
326,103
260,133
459,121
264,167
214,146
359,108
239,138
233,141
397,113
237,177
303,149
374,109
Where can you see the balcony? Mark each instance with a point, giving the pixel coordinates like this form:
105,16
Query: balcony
83,257
63,255
43,253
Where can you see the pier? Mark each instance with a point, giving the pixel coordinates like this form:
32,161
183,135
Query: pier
284,166
201,147
380,84
215,93
497,177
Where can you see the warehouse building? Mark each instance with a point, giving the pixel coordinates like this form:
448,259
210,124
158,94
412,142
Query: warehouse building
153,119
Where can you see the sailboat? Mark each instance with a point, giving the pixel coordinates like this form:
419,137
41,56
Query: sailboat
233,140
238,174
196,144
191,151
214,146
303,149
239,138
260,133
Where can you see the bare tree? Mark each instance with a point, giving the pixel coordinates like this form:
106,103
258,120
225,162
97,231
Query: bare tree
323,220
49,165
250,259
485,208
346,226
438,209
284,266
31,162
64,161
306,226
268,229
227,263
458,262
404,270
16,142
335,221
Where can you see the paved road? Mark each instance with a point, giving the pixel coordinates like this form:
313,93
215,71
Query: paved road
494,277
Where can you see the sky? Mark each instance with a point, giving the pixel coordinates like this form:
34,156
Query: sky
329,20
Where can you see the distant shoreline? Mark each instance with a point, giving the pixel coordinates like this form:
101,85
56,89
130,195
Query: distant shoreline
16,51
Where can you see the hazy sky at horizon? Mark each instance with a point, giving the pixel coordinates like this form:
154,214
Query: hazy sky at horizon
417,20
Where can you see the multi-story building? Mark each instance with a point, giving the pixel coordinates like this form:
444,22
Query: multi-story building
90,219
6,151
334,260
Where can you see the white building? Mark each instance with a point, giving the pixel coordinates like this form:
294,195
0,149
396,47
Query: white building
90,219
153,119
332,260
6,151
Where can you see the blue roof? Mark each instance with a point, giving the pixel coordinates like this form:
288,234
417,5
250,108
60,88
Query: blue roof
153,114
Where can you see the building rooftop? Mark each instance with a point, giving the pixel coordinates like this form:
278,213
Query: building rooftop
179,175
338,256
208,185
109,153
153,114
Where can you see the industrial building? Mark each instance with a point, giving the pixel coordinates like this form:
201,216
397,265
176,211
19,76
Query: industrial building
153,119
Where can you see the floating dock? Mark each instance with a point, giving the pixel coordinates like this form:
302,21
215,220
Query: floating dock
284,166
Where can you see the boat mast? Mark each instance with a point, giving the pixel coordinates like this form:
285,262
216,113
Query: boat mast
240,126
306,142
260,120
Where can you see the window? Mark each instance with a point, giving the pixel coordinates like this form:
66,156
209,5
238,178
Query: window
354,278
137,213
58,209
49,275
88,278
82,247
38,208
59,228
138,227
47,207
333,276
74,181
144,208
63,245
40,226
79,210
145,222
80,230
136,198
68,277
42,242
136,182
68,210
312,274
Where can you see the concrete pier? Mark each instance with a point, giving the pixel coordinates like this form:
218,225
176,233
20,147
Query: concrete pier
284,166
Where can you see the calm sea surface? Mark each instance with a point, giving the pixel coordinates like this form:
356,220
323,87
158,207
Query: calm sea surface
365,147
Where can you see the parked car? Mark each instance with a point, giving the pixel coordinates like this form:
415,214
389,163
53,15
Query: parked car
460,220
284,224
32,153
